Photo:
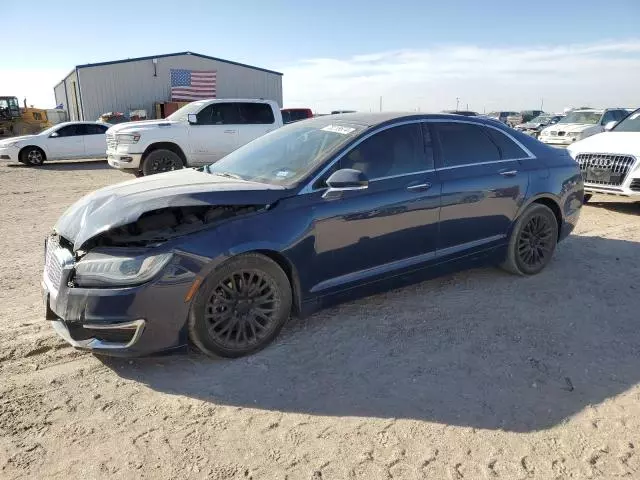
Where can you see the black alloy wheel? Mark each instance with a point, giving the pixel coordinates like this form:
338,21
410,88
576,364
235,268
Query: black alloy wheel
533,241
241,307
160,161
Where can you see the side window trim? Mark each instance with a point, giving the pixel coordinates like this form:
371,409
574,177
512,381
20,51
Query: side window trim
308,188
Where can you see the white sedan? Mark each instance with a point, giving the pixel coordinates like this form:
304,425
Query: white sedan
62,141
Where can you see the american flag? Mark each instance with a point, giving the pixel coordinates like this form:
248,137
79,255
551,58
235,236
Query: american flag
192,84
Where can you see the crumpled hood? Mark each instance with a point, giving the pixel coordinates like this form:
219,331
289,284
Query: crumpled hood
619,143
141,126
124,202
527,125
15,139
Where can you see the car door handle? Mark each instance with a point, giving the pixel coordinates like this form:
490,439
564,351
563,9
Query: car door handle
229,131
419,187
509,173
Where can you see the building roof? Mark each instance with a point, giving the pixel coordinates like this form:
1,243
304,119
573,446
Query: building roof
87,65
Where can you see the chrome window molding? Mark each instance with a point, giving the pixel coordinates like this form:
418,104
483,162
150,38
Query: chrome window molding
308,188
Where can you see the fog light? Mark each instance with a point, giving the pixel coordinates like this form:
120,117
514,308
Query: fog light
126,159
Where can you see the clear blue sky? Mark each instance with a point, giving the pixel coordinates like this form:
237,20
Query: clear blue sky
276,34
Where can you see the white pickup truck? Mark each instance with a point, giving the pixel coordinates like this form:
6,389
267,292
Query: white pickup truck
199,133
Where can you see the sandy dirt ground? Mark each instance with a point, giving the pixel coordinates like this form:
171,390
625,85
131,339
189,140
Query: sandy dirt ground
478,375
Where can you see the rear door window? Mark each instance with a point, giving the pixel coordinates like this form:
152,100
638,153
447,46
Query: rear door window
464,144
256,114
509,150
219,114
95,129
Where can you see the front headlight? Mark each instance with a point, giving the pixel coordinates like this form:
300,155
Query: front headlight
574,135
118,269
127,138
10,144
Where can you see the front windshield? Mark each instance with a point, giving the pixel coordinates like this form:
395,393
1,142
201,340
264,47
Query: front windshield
50,130
586,118
287,155
180,115
540,119
629,124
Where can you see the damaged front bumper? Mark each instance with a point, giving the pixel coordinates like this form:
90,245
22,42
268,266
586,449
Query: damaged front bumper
114,336
130,321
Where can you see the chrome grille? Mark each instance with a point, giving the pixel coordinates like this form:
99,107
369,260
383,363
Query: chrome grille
112,143
52,266
561,133
56,258
617,165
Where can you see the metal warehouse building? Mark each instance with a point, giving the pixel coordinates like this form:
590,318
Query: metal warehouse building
138,83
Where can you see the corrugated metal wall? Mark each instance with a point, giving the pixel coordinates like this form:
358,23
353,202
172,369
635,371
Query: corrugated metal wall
58,91
72,96
132,85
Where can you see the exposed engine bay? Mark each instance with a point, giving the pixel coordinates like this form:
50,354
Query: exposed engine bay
158,226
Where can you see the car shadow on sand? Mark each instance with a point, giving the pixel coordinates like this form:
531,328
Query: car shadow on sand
630,206
481,349
67,165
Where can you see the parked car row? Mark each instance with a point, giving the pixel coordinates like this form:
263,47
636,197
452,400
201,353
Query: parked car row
534,126
65,140
610,161
580,124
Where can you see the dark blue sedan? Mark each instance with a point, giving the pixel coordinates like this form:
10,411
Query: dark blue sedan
320,211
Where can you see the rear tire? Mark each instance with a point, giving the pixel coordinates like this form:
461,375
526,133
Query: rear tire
161,160
32,156
532,242
241,307
586,198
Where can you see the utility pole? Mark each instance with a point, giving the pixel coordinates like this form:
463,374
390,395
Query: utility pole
467,107
542,103
380,102
457,103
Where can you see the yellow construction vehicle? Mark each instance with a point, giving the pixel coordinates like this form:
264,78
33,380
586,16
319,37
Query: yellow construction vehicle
16,121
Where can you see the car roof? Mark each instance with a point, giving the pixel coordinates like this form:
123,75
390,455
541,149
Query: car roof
373,119
74,122
594,110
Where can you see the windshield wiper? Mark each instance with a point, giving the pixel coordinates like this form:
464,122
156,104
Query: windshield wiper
226,174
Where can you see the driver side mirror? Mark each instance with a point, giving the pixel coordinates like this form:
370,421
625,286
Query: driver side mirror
54,135
609,126
192,118
344,180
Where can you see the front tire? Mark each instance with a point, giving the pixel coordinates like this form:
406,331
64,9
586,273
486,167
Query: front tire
161,160
533,241
32,156
241,307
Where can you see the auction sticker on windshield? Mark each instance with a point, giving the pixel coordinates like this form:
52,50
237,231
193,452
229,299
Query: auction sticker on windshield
338,129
